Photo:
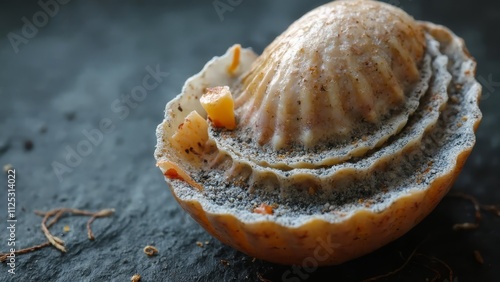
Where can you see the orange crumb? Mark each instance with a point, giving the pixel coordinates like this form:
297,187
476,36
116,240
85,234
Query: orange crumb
263,209
219,104
172,174
173,171
236,60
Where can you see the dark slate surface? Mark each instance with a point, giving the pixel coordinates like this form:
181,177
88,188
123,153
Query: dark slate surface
77,69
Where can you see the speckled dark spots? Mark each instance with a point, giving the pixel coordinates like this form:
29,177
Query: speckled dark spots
28,145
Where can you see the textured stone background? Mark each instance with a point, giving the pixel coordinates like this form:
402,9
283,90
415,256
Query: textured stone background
87,57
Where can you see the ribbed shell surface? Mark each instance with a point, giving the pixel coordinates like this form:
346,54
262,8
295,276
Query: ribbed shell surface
332,76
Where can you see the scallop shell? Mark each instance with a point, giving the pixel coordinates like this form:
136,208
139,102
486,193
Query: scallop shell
387,117
336,83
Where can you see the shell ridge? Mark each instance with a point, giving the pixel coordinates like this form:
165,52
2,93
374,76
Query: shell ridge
357,203
332,174
337,154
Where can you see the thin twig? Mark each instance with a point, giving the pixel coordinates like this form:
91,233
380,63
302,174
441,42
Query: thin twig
61,211
437,276
90,234
445,265
477,209
261,278
101,213
491,208
57,213
54,216
397,269
59,244
450,271
3,257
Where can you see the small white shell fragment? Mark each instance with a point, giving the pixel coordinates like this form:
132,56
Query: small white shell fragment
190,137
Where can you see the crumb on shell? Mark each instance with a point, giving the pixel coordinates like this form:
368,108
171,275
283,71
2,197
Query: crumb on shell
264,209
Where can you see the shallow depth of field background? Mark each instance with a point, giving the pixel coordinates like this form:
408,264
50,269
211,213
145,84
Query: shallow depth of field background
77,138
